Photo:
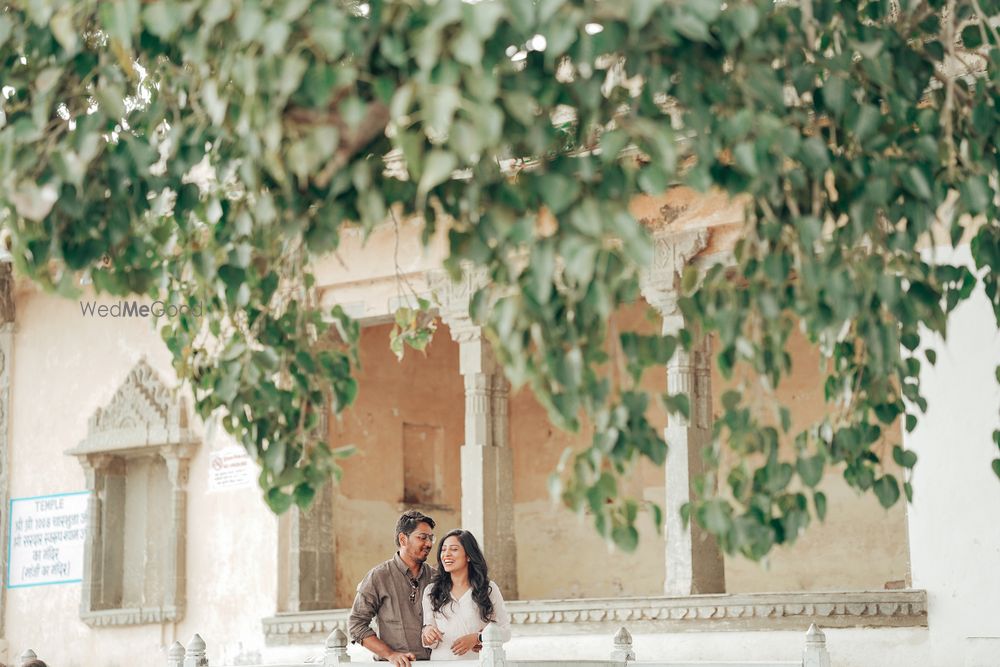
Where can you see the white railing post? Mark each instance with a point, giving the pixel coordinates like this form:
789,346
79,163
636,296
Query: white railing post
175,655
336,649
195,656
492,654
623,646
815,653
27,656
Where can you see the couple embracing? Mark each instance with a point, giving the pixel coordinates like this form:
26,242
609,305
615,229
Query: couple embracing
426,613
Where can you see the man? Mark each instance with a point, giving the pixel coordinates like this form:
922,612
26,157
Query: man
392,592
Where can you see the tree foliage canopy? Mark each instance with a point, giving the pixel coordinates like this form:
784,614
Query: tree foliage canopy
208,151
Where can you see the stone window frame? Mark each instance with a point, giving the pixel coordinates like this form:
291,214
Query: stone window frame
144,418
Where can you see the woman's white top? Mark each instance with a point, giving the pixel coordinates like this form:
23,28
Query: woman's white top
461,617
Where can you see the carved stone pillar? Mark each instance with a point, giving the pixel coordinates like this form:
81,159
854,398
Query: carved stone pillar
694,562
178,460
311,564
487,461
102,560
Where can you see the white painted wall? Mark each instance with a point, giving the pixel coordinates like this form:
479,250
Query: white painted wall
64,367
953,523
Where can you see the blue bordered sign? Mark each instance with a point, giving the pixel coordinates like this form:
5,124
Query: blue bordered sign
46,536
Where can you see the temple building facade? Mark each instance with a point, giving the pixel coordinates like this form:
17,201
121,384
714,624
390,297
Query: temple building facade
129,523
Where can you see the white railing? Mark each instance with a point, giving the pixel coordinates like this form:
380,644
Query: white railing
814,654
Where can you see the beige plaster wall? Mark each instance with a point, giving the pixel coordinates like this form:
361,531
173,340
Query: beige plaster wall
559,553
64,367
423,391
827,555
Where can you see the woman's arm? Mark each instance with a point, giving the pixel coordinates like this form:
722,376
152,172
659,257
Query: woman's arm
430,636
500,616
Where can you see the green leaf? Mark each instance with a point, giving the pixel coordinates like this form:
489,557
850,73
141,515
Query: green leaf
483,17
640,11
657,515
692,27
811,469
162,18
904,457
112,100
972,36
438,167
278,500
716,517
819,499
745,18
625,538
996,467
916,182
814,155
62,27
304,495
976,194
887,490
7,26
866,122
557,191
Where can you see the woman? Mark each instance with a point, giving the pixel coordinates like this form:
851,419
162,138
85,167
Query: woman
461,601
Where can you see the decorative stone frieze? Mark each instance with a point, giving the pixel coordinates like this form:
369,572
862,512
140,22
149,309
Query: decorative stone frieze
146,427
113,617
695,613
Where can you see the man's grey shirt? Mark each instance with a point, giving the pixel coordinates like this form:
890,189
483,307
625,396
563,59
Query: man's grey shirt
385,594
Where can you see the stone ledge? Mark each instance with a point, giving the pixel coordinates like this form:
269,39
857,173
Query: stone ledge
696,613
136,616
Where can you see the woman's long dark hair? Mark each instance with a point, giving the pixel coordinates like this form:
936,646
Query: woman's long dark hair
479,578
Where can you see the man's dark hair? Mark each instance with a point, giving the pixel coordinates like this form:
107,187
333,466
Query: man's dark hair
408,523
35,663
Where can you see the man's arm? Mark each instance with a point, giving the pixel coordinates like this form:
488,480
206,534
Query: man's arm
366,604
382,650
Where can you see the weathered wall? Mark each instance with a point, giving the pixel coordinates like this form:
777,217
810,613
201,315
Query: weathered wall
825,557
66,366
420,400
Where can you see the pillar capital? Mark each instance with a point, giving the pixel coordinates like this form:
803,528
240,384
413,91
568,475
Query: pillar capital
454,298
660,283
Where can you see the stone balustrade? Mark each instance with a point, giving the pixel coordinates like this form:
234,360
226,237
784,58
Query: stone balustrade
814,654
656,614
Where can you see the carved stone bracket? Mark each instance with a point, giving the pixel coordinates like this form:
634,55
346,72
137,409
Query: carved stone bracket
660,284
454,298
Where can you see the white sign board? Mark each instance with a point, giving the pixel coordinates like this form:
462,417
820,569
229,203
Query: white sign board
230,468
47,536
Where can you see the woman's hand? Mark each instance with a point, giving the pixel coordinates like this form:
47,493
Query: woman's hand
431,636
465,643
